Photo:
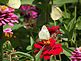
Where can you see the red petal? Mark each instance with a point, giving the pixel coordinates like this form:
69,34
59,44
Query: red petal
41,56
47,57
57,51
52,42
41,43
37,46
57,45
53,29
45,52
36,51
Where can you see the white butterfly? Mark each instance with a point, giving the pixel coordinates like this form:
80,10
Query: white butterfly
44,33
14,3
56,13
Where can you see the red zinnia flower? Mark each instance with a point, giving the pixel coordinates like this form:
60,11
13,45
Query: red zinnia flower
54,29
50,48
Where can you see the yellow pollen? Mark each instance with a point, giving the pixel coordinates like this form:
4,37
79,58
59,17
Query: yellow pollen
3,8
46,42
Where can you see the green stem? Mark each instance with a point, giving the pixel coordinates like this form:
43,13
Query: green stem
55,23
75,25
60,57
55,58
10,57
65,10
52,2
26,54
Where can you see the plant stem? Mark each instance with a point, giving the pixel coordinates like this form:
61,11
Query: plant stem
65,10
10,57
60,57
1,43
52,2
55,58
75,25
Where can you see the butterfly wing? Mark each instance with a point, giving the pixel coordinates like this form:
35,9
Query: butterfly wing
14,3
44,33
56,13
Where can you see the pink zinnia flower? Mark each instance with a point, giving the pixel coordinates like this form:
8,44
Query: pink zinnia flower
8,30
29,11
76,55
7,16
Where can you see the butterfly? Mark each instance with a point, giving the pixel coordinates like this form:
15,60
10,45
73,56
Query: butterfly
14,3
44,33
56,13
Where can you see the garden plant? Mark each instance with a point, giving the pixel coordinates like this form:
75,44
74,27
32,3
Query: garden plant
40,30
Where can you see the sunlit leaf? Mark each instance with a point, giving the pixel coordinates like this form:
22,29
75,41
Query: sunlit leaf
66,51
61,2
51,58
17,26
78,24
32,41
27,1
37,57
29,47
26,54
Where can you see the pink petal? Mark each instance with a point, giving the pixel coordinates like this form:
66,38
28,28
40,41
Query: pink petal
7,30
11,24
0,24
3,23
6,20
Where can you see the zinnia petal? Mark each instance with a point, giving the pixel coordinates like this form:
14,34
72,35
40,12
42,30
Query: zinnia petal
37,46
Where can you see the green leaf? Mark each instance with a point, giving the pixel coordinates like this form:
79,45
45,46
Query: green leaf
6,26
66,51
3,1
29,48
27,1
26,54
71,24
66,15
7,45
51,58
78,24
32,41
61,2
37,57
17,26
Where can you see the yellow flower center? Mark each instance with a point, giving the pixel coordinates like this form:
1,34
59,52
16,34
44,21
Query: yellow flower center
46,42
3,8
9,35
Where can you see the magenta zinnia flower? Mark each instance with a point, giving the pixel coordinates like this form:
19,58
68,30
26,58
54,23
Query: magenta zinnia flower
29,12
8,30
7,16
76,55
